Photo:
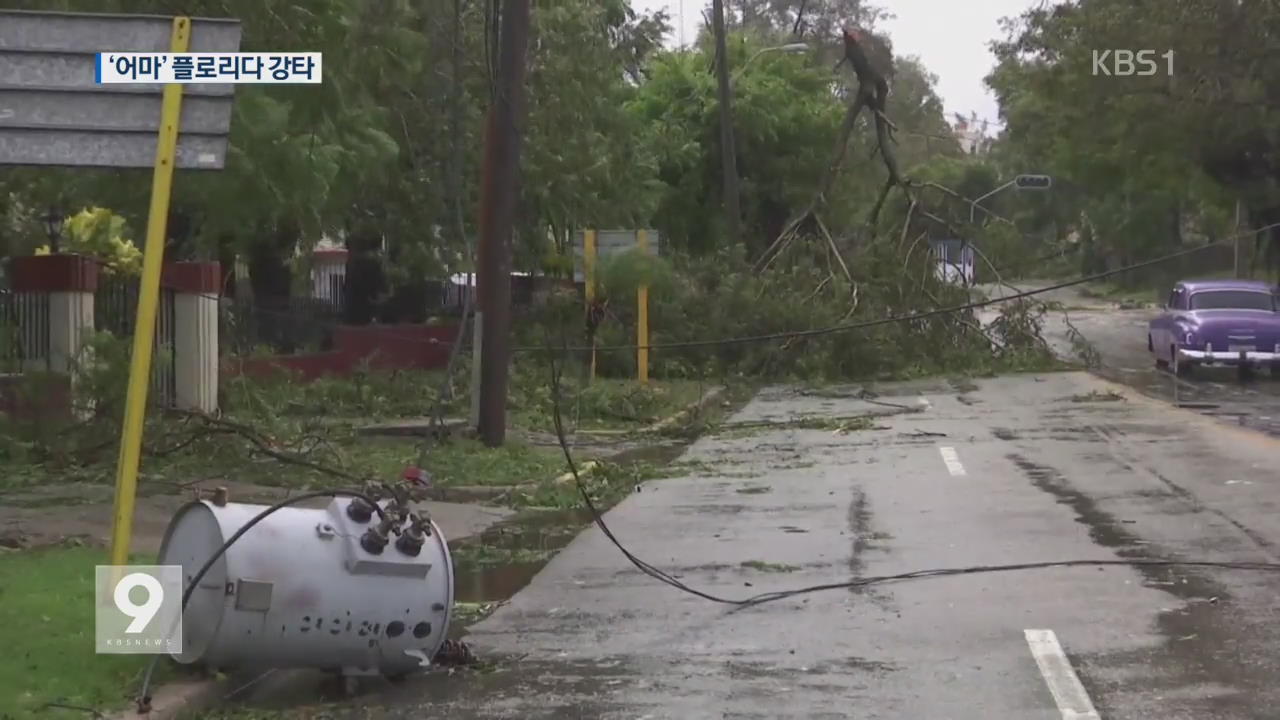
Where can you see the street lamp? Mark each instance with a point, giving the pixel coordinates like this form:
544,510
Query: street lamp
53,228
788,48
1021,182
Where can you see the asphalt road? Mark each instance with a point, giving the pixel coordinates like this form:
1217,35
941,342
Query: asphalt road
1120,336
1015,469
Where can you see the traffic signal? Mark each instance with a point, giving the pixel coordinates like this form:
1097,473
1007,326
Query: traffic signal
1033,182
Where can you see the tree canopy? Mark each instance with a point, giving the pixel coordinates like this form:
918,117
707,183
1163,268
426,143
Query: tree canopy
1156,152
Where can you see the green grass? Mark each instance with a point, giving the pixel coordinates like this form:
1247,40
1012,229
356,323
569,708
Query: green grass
318,420
47,610
474,555
468,462
602,404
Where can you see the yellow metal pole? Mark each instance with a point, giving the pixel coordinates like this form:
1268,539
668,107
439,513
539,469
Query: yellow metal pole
642,317
135,408
589,276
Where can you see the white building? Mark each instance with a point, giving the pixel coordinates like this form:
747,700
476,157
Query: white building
955,261
328,270
971,133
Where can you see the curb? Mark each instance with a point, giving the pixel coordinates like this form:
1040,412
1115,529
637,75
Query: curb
707,398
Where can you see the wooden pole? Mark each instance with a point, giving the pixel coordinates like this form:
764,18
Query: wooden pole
589,280
498,208
642,317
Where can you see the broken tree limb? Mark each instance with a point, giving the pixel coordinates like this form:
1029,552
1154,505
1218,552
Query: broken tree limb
817,290
906,224
853,304
875,209
910,250
796,28
834,249
873,93
828,179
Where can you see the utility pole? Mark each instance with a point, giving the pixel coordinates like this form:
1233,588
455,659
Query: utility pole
1235,241
499,189
728,149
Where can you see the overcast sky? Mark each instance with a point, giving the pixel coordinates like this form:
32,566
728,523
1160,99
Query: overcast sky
949,36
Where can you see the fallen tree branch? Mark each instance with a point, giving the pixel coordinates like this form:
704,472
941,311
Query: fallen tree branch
817,290
911,250
828,179
834,249
264,446
875,209
906,224
795,28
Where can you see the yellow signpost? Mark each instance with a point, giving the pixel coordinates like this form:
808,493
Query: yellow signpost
642,317
135,408
588,272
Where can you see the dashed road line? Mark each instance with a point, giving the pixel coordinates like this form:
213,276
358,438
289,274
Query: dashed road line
952,460
1068,694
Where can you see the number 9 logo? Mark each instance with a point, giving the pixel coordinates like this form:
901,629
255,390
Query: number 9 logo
144,613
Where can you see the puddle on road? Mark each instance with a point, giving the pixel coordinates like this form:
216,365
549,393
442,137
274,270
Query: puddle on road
1213,392
504,558
1202,635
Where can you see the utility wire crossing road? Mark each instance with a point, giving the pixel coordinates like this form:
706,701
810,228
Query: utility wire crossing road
1055,468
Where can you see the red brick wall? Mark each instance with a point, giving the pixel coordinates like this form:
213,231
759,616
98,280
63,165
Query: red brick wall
385,347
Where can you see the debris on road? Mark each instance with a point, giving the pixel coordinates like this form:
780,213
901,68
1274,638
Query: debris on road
454,653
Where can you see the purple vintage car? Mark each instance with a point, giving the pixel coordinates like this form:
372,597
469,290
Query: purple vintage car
1218,322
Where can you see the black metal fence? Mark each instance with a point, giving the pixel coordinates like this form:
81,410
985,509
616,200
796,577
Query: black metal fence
115,310
277,326
24,330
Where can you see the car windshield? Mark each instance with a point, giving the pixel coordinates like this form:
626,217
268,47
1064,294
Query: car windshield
1233,299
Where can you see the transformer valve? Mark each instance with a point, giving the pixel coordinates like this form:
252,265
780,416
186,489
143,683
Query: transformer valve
411,539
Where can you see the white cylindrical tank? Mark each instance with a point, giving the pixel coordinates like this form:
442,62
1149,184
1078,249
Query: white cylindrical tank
299,590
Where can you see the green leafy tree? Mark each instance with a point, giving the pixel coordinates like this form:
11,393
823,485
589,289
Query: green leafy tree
1156,151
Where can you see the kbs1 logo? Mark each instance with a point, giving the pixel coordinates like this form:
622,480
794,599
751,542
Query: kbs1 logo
139,609
1128,63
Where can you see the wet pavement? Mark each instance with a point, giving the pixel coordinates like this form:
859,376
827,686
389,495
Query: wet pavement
1120,338
1007,470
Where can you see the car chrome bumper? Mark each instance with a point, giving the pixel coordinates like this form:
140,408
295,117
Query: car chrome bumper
1228,357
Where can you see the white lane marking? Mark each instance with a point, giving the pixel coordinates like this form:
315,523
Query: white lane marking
952,460
1070,696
